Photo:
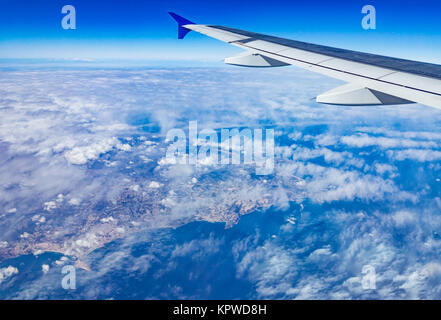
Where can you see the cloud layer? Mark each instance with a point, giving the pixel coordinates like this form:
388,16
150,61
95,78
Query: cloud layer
82,158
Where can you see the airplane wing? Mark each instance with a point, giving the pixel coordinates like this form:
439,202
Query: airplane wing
372,79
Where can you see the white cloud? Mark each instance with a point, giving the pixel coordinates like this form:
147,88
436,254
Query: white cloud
154,185
7,272
50,205
74,201
382,168
45,268
402,218
363,140
108,219
325,184
80,155
421,155
124,147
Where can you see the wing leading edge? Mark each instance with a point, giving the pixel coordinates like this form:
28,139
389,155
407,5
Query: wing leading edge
373,79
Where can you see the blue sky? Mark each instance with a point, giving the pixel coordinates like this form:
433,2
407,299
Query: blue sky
142,30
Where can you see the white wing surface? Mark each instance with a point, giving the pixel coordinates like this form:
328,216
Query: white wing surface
372,79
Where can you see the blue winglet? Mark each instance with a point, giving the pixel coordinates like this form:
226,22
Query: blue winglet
182,31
